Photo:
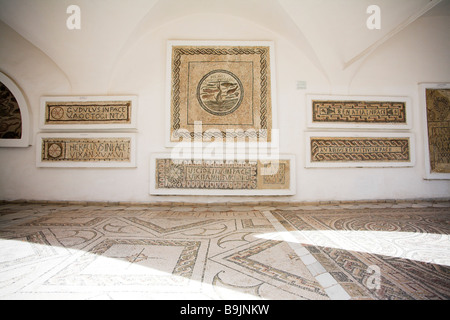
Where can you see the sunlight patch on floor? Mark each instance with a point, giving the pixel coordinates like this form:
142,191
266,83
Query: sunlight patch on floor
42,262
424,247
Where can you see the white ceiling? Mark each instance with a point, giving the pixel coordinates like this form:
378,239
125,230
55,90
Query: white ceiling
332,33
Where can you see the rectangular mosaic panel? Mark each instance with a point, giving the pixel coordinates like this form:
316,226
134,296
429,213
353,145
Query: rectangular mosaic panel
235,177
88,112
355,112
79,151
438,120
349,149
359,111
356,149
223,85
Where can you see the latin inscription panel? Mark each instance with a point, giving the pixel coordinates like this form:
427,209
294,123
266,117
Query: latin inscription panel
360,150
88,112
71,149
75,150
359,111
222,178
84,113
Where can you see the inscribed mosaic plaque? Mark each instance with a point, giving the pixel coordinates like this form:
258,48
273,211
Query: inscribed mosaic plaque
88,112
359,111
438,120
233,177
355,112
359,149
80,151
222,85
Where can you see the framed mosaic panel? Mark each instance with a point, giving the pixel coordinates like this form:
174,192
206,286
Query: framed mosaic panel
353,112
224,178
15,123
224,85
435,104
88,113
84,150
359,149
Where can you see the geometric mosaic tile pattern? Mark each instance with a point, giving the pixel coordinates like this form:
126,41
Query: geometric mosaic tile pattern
410,248
59,251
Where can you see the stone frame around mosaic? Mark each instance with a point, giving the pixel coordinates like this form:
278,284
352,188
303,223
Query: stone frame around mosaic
359,164
291,190
26,137
65,125
428,174
406,125
215,43
129,162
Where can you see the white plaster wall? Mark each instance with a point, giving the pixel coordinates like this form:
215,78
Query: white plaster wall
419,53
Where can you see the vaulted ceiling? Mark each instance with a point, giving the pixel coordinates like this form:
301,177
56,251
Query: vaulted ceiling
331,33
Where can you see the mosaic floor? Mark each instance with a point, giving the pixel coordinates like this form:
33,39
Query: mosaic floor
353,251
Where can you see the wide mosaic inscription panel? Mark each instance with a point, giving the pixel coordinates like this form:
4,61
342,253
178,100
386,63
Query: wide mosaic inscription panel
88,112
81,150
355,151
438,120
358,112
223,85
211,177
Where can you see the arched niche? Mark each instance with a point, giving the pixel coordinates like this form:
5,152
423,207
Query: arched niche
14,115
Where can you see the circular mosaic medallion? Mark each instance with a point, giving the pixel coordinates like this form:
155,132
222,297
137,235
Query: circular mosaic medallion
54,150
220,92
57,113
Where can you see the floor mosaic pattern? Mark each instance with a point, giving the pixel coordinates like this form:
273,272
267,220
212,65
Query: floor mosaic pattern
361,251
